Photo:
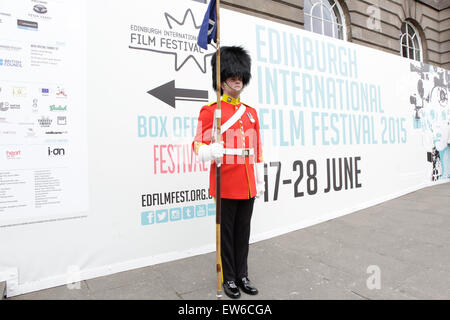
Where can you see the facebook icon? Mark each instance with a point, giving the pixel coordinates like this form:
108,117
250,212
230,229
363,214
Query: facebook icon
147,218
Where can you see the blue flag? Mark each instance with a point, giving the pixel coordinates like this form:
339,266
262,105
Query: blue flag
208,30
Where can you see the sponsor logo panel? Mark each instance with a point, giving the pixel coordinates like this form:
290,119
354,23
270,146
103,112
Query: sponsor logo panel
27,25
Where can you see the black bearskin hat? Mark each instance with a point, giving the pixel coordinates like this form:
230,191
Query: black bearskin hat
234,62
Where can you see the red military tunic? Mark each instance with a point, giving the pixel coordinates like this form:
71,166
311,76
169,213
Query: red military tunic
237,172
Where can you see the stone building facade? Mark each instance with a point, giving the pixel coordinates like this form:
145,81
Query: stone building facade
416,29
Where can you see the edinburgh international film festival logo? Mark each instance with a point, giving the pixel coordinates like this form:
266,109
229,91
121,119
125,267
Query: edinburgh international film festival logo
175,36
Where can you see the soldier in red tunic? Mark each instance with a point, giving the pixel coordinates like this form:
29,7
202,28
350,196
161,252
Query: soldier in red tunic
242,167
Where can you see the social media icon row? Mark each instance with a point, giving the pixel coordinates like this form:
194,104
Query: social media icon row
177,214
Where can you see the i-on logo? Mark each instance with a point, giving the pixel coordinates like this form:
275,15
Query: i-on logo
56,152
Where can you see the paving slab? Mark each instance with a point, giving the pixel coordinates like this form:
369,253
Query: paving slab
428,284
119,280
77,291
155,290
189,274
394,250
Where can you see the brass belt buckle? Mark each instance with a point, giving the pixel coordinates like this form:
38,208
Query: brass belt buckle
246,153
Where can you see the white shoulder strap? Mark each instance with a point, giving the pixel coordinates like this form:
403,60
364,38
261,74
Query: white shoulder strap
235,117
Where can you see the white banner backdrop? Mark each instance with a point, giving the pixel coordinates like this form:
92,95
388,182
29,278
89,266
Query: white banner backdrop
344,127
43,135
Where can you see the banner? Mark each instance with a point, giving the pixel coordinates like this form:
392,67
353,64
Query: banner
344,127
43,136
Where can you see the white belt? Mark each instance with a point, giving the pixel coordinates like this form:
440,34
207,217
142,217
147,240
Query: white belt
233,119
243,152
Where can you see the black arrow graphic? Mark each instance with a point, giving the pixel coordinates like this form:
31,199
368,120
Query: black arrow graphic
169,94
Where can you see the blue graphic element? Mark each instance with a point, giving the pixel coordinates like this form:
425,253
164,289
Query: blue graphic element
417,122
188,212
208,30
445,162
147,218
211,209
175,214
162,216
430,113
200,211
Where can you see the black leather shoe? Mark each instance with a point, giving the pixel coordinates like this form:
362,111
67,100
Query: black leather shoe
231,289
247,286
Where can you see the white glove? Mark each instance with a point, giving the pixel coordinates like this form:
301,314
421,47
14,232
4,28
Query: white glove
260,184
211,151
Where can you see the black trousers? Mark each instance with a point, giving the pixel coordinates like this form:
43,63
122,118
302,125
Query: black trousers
235,234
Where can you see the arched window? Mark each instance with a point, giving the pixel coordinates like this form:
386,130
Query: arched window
410,42
324,17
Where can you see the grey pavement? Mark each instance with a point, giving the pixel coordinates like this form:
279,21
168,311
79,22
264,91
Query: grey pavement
398,249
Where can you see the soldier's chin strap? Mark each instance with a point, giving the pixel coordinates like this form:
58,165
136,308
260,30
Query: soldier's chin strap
237,92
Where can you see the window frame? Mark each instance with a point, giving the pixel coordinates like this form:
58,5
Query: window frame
410,38
336,24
